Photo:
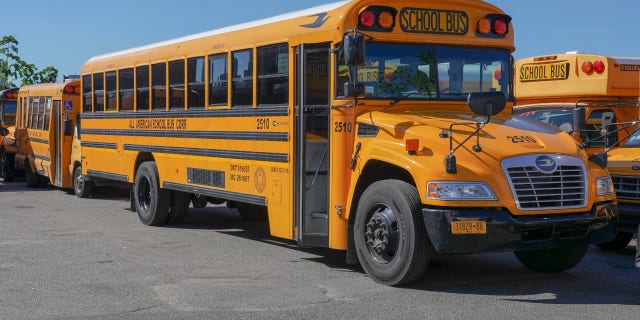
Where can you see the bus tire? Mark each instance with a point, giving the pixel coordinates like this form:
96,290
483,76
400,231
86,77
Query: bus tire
8,164
179,207
152,202
621,241
389,233
552,260
32,179
81,186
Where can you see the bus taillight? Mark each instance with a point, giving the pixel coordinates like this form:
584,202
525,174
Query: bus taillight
493,25
377,18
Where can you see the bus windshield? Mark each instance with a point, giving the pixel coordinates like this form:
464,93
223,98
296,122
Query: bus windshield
633,141
428,72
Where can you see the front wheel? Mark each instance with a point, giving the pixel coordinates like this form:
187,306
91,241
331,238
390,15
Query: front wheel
151,201
31,178
621,241
389,233
81,186
552,260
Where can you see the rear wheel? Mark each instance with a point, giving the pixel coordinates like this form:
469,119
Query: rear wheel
152,202
389,233
31,178
179,207
621,241
552,260
199,201
81,186
8,164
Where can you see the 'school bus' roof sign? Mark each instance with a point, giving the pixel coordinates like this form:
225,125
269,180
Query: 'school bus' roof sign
434,21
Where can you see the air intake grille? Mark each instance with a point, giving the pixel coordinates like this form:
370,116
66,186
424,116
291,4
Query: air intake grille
626,187
547,182
211,178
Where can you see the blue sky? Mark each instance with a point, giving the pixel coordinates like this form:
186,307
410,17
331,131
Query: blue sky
65,34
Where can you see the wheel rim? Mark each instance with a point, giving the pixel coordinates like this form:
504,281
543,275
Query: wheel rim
382,234
144,195
79,183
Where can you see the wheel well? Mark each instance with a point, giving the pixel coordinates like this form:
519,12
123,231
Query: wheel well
373,171
142,157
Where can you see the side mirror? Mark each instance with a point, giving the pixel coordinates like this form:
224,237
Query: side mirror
68,128
354,90
579,122
354,50
486,103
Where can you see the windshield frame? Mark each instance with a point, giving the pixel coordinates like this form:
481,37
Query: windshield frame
500,56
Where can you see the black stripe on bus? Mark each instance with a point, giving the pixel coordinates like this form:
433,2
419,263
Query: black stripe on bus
45,141
227,195
41,157
228,135
107,175
238,112
245,155
99,145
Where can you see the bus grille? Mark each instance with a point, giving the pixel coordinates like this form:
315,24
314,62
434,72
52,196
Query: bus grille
563,188
626,187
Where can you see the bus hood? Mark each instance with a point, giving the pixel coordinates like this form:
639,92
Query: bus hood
624,160
503,136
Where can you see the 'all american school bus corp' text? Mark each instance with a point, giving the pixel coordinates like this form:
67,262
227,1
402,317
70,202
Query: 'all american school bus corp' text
409,160
595,99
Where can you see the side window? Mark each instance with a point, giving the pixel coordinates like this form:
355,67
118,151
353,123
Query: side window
98,92
242,85
142,88
35,105
87,97
125,89
110,93
46,113
273,75
218,79
159,86
176,84
195,82
40,114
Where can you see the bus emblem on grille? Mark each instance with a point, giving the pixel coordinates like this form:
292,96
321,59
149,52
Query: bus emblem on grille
546,164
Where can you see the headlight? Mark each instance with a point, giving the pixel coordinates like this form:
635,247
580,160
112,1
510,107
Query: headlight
604,186
445,190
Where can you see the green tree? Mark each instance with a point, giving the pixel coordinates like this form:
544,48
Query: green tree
14,71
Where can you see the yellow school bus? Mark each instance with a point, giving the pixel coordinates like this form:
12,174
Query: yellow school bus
549,88
45,121
8,102
604,92
371,126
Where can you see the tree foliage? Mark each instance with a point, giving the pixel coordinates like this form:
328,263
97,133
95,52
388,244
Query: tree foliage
16,72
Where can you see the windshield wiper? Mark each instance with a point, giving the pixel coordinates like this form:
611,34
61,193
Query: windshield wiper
402,97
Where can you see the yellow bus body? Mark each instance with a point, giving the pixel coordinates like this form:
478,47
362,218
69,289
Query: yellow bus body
44,151
256,154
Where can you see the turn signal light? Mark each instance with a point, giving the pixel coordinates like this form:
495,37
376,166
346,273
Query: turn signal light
598,66
377,18
493,25
587,67
412,146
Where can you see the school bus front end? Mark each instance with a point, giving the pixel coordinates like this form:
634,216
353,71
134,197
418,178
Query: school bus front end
624,167
438,163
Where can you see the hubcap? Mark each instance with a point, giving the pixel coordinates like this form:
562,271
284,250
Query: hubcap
144,195
382,234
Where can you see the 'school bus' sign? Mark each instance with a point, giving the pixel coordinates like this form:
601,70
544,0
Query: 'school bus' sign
434,21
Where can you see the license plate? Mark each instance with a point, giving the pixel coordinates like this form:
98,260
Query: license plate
547,71
469,227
